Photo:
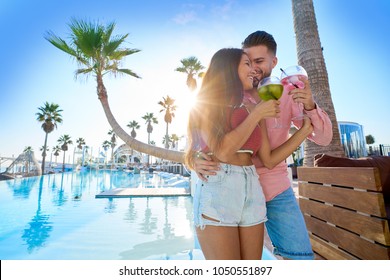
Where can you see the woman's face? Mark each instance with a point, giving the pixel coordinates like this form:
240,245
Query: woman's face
245,72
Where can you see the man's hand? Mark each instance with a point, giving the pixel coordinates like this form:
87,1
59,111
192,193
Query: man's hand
304,95
204,165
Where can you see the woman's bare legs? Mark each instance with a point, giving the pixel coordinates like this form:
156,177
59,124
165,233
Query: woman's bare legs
219,242
231,243
251,242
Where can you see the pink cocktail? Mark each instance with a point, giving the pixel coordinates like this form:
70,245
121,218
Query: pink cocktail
291,78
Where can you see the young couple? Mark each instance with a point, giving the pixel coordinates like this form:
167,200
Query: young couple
240,158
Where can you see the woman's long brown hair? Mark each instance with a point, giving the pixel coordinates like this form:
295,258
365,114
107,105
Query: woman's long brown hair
221,90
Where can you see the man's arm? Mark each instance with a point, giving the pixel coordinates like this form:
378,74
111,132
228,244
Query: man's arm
322,134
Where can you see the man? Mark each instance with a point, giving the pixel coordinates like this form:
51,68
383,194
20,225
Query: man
285,226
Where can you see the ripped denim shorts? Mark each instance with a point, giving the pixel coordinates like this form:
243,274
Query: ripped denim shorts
232,197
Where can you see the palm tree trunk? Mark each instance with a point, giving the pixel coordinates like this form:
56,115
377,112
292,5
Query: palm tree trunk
44,154
130,141
63,163
112,157
310,56
166,137
148,144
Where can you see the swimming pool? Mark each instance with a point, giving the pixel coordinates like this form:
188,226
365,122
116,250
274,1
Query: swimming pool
57,217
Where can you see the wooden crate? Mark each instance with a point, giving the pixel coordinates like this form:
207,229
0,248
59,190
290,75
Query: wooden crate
345,212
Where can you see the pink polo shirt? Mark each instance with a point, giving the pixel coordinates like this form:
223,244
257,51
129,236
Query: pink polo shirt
275,181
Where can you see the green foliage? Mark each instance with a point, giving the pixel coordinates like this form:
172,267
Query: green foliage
370,139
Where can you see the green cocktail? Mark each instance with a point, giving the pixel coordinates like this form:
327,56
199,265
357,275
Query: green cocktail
270,88
271,91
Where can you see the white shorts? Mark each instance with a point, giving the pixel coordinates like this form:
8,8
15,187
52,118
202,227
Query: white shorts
232,197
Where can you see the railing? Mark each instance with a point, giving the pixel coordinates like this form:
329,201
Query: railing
381,150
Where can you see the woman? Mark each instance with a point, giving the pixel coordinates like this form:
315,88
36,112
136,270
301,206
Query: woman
229,209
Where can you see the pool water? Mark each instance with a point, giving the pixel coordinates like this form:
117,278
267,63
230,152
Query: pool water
57,217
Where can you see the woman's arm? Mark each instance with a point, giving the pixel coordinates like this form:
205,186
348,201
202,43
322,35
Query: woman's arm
271,158
236,138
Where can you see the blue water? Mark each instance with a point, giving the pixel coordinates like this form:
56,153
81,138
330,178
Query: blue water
57,217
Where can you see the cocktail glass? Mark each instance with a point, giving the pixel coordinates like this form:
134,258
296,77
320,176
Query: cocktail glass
290,79
271,88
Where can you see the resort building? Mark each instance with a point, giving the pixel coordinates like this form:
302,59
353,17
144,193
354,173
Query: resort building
353,139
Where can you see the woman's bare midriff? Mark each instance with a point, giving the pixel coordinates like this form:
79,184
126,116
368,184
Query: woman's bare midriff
240,159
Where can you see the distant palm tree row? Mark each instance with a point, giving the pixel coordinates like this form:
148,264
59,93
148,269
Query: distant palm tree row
50,116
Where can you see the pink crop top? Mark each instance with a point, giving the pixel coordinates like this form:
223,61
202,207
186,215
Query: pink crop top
252,145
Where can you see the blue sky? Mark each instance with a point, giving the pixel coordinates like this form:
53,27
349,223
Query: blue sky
354,34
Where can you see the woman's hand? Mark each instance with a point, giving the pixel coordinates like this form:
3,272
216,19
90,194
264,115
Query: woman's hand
267,109
307,127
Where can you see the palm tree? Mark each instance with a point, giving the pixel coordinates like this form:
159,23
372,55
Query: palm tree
29,152
106,144
191,66
49,115
64,141
166,143
112,144
169,108
174,139
98,52
80,142
133,125
310,56
56,150
149,119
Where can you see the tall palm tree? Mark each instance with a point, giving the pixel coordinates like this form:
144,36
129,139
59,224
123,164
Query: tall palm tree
80,142
133,125
169,107
191,66
310,56
149,119
64,141
98,52
49,115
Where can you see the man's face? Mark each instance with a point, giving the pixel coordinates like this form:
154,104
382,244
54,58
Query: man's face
263,61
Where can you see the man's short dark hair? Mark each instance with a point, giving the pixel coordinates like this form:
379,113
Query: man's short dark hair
258,38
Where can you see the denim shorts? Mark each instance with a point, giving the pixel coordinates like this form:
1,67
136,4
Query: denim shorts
232,197
286,227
